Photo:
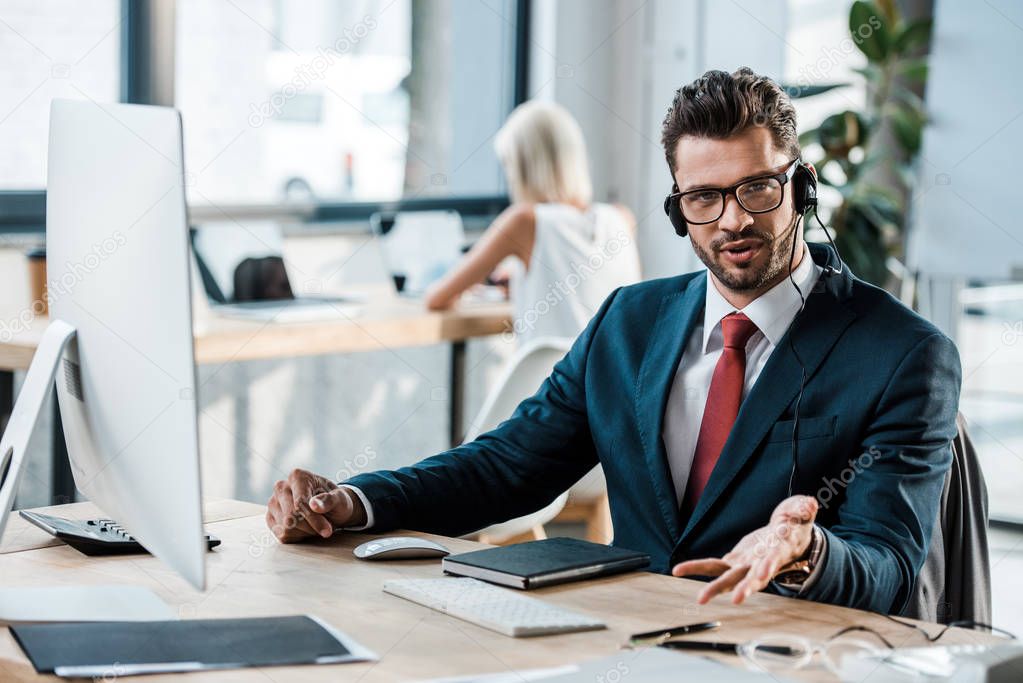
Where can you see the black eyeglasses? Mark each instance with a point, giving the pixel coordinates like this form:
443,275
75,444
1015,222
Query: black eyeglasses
756,195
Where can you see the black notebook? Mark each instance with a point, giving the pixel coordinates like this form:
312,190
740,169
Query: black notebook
544,563
122,648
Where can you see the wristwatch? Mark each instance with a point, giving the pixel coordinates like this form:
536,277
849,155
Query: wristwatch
794,574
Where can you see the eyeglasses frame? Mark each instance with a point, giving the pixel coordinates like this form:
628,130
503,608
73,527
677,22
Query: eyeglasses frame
783,179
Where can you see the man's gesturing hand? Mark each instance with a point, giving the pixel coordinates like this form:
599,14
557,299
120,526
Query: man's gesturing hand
306,504
752,563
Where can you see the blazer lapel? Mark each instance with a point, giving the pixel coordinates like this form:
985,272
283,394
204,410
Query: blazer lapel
679,314
816,329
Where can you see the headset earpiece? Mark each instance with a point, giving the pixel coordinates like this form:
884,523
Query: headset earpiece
804,189
674,213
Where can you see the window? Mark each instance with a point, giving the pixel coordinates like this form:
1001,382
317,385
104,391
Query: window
360,101
51,48
818,51
990,344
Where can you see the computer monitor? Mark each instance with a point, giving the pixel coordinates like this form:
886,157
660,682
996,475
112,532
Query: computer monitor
121,325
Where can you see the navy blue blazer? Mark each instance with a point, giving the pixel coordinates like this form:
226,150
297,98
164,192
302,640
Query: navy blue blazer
877,419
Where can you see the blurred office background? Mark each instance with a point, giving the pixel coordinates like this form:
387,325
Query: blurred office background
312,114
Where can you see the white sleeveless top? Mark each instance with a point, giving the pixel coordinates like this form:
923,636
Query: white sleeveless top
578,259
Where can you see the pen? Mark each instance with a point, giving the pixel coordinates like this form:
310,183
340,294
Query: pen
732,648
664,634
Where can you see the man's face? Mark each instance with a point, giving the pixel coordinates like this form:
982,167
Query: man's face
747,253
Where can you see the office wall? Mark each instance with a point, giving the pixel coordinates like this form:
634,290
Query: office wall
966,218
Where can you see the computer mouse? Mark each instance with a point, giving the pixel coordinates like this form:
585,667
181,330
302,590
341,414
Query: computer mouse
399,548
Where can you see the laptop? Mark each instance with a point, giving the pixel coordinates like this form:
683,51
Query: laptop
245,275
418,247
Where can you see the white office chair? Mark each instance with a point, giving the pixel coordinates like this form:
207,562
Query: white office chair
519,380
588,504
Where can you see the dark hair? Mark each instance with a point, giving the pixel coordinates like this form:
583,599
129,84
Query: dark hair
719,104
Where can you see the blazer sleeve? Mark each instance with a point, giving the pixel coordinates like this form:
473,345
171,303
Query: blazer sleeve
515,469
885,522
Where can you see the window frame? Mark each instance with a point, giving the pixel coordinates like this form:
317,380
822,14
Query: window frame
24,211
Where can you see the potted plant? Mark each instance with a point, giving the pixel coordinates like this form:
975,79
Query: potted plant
868,156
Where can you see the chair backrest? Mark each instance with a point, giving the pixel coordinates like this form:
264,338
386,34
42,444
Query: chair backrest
955,582
519,380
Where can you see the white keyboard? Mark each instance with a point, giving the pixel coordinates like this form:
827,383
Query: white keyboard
489,606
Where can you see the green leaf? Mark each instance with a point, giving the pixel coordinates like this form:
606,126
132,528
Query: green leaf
869,30
840,132
893,109
907,174
915,33
908,130
889,11
913,69
872,212
905,96
860,239
885,200
809,137
800,91
871,73
859,260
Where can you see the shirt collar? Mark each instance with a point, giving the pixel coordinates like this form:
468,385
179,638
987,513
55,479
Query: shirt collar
772,312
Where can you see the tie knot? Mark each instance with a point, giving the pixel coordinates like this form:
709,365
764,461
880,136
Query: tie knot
737,329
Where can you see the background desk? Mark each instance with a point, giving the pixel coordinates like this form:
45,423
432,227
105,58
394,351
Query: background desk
386,321
252,575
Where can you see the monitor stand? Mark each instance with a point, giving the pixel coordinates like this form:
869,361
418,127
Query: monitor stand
59,603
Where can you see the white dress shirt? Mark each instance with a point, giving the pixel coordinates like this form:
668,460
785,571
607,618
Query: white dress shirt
772,312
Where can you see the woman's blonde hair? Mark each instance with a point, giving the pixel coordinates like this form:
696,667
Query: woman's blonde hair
544,156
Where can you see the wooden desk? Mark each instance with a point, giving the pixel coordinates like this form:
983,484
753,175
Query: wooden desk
386,322
251,575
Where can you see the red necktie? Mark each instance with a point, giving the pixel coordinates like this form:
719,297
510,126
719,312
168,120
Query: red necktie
722,408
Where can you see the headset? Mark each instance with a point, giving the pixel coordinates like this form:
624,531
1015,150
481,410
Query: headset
804,192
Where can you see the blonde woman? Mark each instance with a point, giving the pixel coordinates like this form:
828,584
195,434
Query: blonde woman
571,251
